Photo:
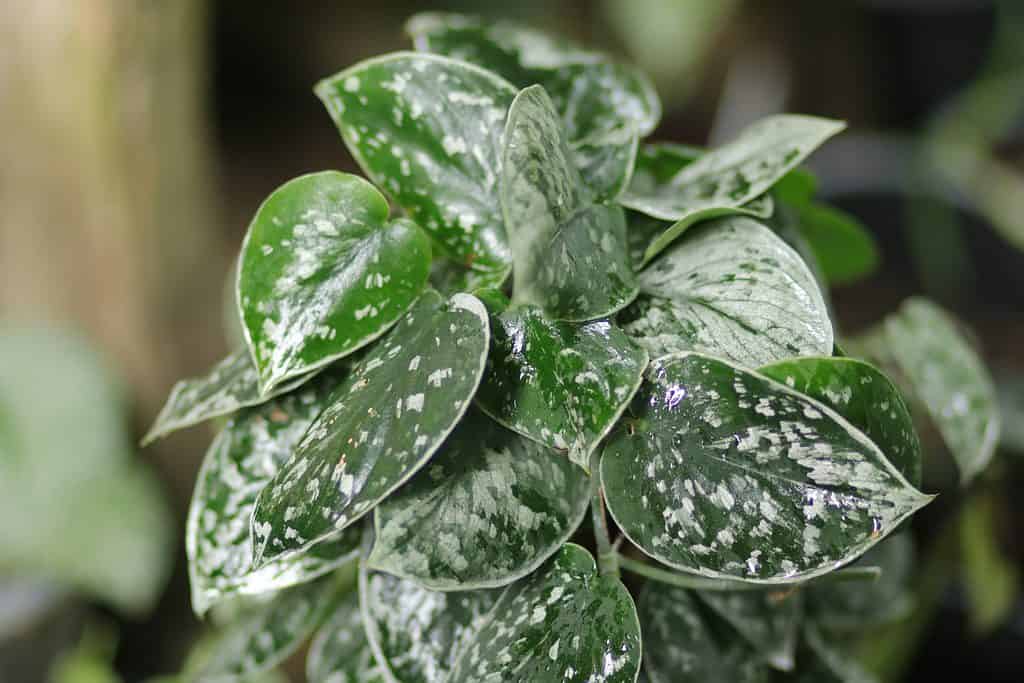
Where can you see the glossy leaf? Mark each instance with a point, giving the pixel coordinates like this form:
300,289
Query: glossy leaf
943,372
844,248
488,509
681,646
607,166
561,384
564,622
428,130
340,652
381,424
768,621
323,273
267,633
243,458
231,385
724,473
569,253
732,288
417,634
729,176
864,397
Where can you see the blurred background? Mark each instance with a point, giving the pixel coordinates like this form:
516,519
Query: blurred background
139,136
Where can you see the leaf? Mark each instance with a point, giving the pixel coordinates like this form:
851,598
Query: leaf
607,166
729,176
727,474
863,396
681,646
268,633
243,458
231,385
853,607
449,277
489,509
942,371
381,425
823,663
991,578
417,634
565,620
340,652
323,273
844,248
428,130
734,289
561,384
797,188
768,621
569,254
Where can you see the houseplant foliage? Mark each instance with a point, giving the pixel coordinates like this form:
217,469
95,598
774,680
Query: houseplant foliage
557,317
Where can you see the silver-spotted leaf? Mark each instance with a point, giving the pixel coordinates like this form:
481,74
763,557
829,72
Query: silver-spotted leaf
865,397
564,622
265,634
230,385
941,370
340,652
323,273
490,508
381,424
729,176
428,130
682,646
607,166
731,288
562,384
768,621
417,634
243,458
569,253
725,473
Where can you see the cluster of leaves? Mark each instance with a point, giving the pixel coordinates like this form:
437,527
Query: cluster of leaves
561,318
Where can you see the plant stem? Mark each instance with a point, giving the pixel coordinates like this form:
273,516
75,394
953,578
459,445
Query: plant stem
607,557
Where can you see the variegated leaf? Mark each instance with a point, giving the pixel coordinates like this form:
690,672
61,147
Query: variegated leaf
340,652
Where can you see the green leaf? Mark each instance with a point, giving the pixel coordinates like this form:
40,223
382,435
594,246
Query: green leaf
941,370
243,458
231,385
323,273
382,424
564,621
797,188
844,248
561,384
821,662
726,178
267,633
340,652
569,253
863,396
607,166
598,99
732,288
853,607
489,509
991,577
768,621
682,646
428,130
417,634
725,473
449,277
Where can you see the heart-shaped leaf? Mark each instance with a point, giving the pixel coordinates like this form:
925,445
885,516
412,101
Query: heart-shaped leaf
323,273
941,370
681,646
564,621
340,652
562,384
725,473
864,397
381,424
729,176
768,621
231,385
488,509
732,288
243,458
428,130
265,635
417,634
569,253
